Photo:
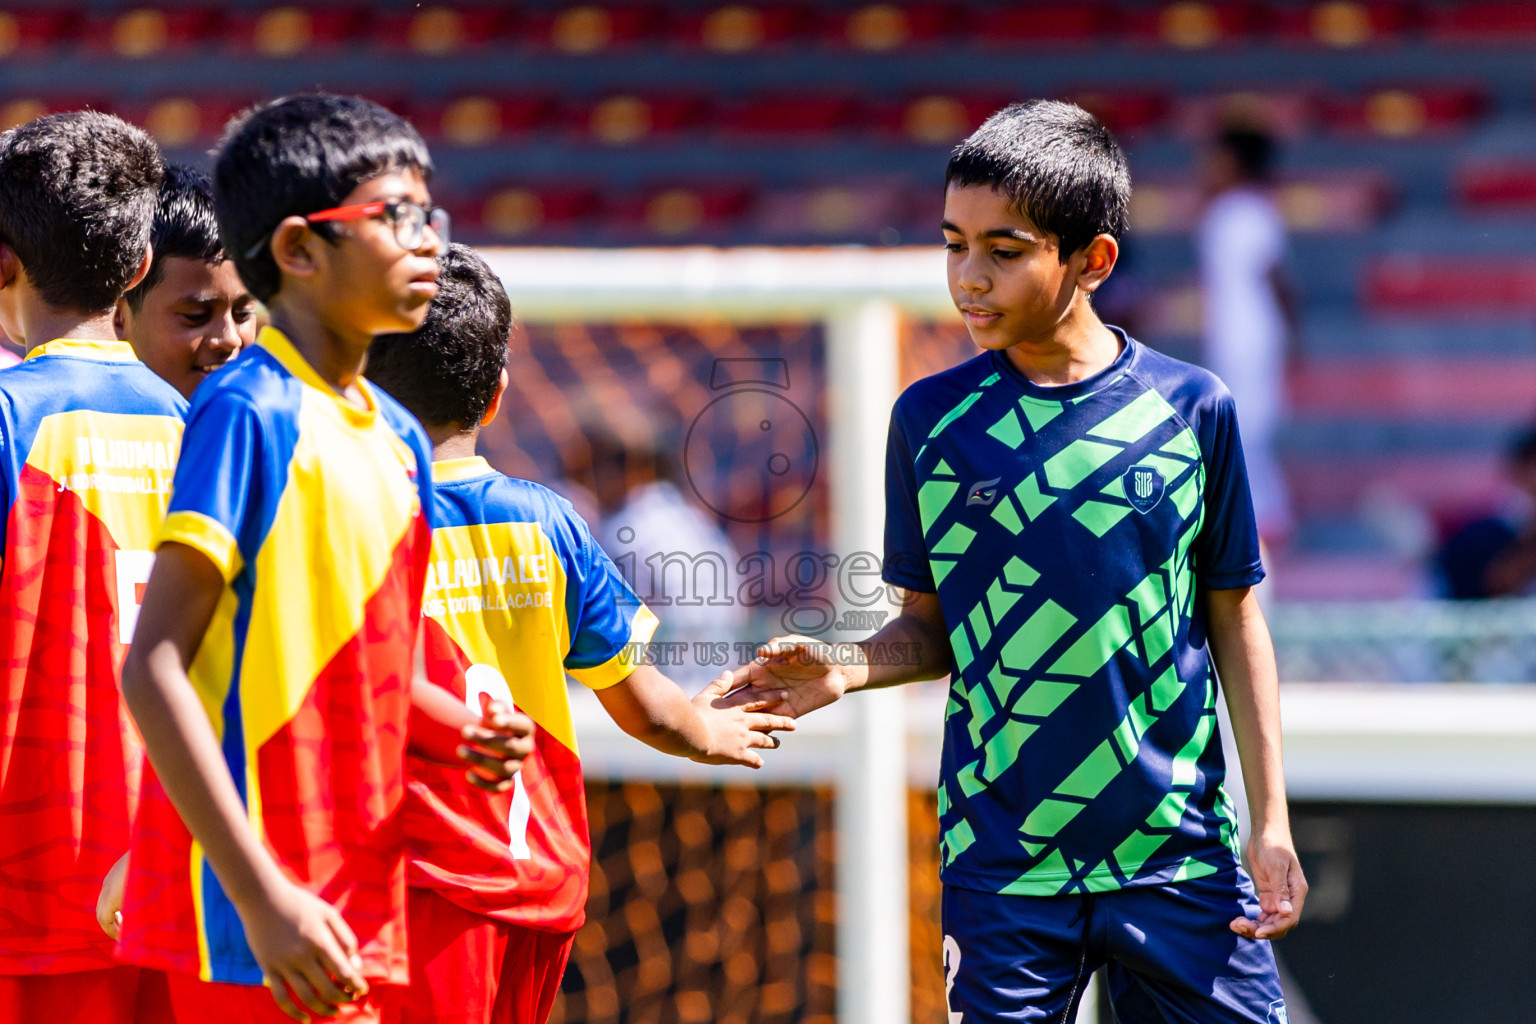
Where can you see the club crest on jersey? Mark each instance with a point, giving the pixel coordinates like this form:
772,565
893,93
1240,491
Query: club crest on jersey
1144,486
983,492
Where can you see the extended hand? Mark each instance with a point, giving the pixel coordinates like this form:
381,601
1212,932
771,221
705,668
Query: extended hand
306,952
1281,885
495,749
737,726
809,671
109,904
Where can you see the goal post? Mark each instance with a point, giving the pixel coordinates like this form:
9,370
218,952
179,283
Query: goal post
859,297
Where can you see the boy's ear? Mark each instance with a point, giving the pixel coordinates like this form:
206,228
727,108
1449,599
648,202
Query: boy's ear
10,266
1098,261
292,247
120,319
495,406
143,271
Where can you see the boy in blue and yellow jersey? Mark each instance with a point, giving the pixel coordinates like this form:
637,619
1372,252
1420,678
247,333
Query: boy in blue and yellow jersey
518,595
1070,518
88,443
271,673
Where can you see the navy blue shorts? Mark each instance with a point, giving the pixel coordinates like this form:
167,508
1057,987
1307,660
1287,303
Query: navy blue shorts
1171,957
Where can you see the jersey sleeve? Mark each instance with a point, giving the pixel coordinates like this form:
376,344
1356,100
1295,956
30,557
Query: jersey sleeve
609,625
219,479
1226,554
906,553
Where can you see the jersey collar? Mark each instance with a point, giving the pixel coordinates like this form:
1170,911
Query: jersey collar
277,343
1078,389
85,348
447,471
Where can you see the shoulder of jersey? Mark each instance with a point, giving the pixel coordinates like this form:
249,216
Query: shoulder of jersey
53,385
511,499
254,373
943,390
1180,382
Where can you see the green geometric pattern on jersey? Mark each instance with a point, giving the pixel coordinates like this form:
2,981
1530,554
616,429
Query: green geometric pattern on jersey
1017,694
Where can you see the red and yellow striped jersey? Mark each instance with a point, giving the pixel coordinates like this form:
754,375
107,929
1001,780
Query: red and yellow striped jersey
518,594
88,442
316,512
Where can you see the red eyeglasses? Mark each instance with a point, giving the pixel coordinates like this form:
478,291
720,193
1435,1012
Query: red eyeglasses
410,220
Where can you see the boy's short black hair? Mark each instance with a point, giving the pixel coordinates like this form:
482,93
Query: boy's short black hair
77,194
1252,149
296,156
1056,164
184,227
447,370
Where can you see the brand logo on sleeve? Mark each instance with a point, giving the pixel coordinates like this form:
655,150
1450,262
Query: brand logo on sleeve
1144,486
983,492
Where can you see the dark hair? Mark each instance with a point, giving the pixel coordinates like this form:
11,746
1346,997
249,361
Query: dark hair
1253,150
1056,164
446,371
295,156
77,194
184,227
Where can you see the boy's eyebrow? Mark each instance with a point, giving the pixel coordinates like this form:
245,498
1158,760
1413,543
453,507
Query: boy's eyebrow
1017,234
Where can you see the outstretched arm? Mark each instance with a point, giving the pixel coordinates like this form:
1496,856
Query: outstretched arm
1245,663
816,673
300,942
710,728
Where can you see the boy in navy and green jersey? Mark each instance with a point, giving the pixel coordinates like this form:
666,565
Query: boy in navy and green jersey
1070,516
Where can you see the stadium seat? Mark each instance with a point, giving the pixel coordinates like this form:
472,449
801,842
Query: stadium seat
1343,24
19,109
532,213
31,31
834,213
739,28
883,26
684,212
480,120
1404,112
143,32
291,31
1449,387
934,120
1417,284
1014,24
1288,114
1508,22
1331,203
1495,186
1191,24
591,28
179,121
807,115
626,119
1125,113
443,30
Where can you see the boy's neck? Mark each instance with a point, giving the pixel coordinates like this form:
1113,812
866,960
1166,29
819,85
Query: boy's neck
1077,348
450,442
337,356
42,324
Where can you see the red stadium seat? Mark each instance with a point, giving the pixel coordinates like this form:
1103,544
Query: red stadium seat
1288,114
1013,24
1343,23
1511,22
290,31
479,120
834,212
181,120
30,31
738,28
887,26
935,120
1450,388
678,212
1503,185
1405,112
146,31
1339,202
781,116
592,28
441,30
532,213
626,119
1125,113
1414,284
1192,24
15,110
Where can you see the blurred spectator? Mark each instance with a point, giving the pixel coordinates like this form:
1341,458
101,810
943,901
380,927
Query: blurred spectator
1496,556
676,556
1247,307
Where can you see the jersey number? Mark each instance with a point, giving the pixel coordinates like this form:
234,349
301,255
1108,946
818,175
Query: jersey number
480,679
132,573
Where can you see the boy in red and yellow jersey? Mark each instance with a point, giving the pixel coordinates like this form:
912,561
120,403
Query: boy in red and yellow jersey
88,443
518,595
271,675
